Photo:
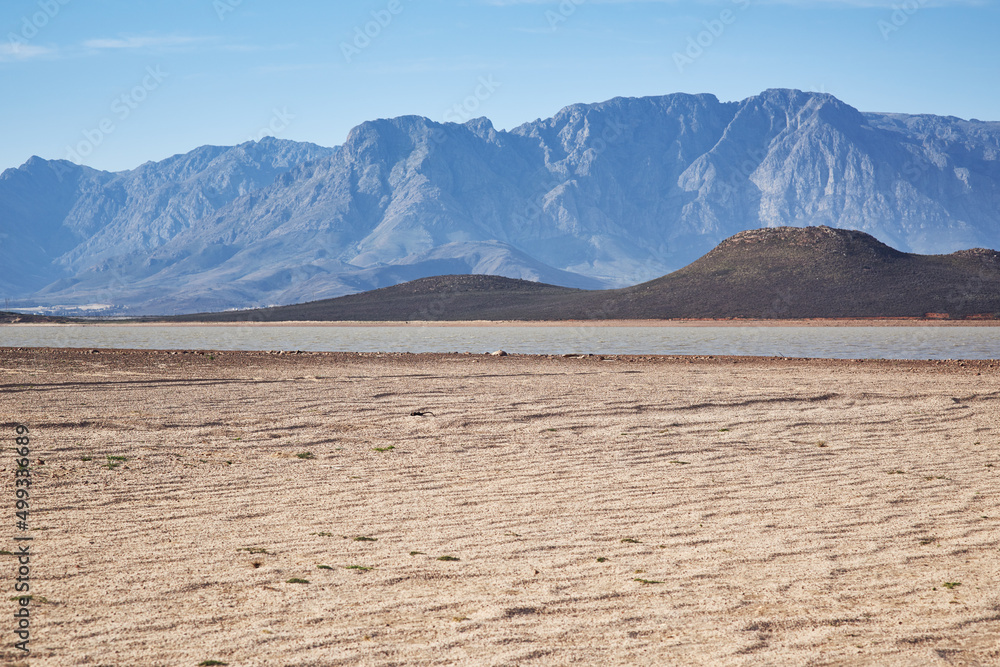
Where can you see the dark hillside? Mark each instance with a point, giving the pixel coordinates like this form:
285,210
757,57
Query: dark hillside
777,273
466,297
790,272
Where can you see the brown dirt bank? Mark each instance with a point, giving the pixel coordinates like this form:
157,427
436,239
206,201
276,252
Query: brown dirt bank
603,510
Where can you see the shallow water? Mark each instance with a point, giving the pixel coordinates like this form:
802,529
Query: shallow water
825,342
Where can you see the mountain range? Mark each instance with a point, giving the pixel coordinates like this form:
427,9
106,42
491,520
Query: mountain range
598,196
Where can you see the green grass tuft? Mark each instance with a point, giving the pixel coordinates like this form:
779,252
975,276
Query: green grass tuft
448,558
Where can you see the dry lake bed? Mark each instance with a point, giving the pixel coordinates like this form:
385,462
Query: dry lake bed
376,509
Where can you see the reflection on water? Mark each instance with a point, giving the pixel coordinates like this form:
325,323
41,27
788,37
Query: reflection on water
829,342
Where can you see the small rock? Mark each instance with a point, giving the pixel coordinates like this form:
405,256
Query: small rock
499,353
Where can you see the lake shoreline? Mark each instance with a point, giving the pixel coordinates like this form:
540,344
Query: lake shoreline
839,342
811,322
243,357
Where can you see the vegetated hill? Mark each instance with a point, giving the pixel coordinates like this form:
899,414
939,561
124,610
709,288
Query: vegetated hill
599,195
790,272
777,273
461,297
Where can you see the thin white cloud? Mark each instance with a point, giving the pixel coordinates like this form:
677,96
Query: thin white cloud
13,52
140,42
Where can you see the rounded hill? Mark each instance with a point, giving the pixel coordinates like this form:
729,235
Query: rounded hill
774,273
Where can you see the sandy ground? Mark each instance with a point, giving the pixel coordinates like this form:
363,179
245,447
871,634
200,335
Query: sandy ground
714,511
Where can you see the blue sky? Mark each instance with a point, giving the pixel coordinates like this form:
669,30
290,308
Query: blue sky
114,83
